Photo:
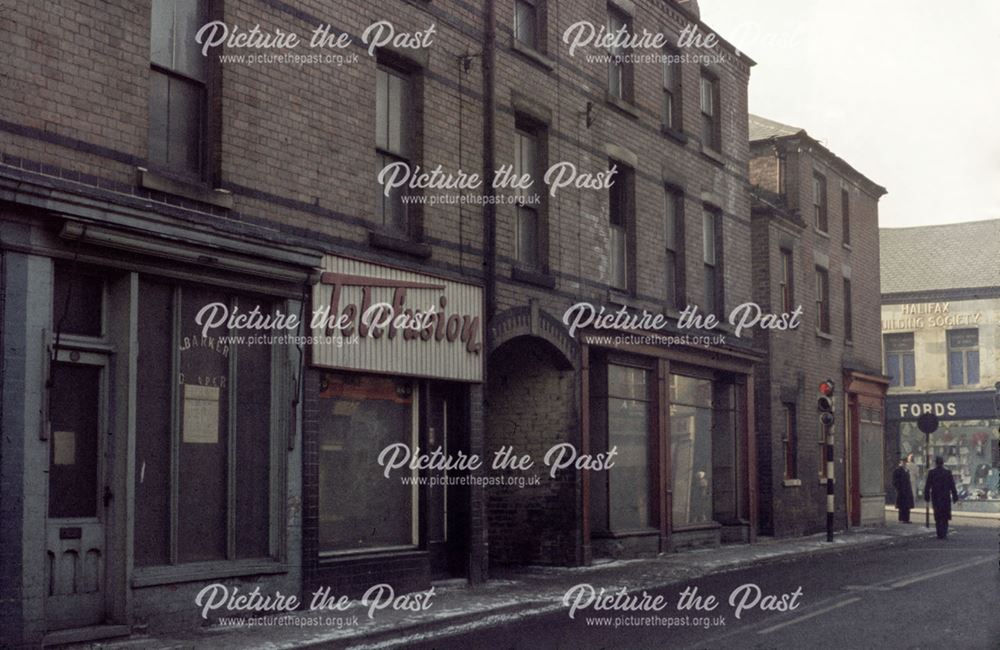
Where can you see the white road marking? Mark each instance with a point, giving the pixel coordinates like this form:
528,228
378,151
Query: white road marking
779,626
940,572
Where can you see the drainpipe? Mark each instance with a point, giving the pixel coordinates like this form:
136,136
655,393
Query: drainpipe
489,156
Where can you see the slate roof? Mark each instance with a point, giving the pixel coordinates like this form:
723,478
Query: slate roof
934,258
762,128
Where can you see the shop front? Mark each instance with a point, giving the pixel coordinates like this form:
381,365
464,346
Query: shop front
393,384
146,454
681,422
966,439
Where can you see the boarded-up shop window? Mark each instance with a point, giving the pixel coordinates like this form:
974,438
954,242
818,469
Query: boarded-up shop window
871,452
359,508
192,441
203,476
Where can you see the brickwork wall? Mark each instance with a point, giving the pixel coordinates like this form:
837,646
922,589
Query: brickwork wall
800,509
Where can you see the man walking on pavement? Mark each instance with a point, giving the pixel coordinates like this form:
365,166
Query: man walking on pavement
940,491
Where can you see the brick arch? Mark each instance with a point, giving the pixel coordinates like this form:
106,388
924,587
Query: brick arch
532,321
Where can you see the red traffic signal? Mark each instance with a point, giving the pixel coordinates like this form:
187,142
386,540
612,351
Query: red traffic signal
825,402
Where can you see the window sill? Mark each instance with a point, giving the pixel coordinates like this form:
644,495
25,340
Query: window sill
532,54
622,105
189,190
532,276
702,525
822,479
678,136
620,297
824,336
367,555
199,571
713,155
849,343
607,534
792,482
398,244
847,246
821,233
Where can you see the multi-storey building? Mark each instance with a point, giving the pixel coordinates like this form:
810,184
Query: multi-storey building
941,342
170,169
815,250
145,454
672,230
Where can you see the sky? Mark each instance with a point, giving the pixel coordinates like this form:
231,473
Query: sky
906,91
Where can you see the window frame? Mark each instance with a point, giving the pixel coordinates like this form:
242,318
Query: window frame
790,441
278,430
821,217
711,136
535,11
623,226
674,247
848,311
822,312
965,351
672,103
902,354
204,89
404,154
714,276
845,213
786,281
529,130
622,70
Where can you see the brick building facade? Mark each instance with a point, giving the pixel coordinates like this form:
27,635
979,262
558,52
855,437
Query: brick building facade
640,246
143,179
815,241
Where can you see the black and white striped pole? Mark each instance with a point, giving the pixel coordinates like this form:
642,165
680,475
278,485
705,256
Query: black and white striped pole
826,417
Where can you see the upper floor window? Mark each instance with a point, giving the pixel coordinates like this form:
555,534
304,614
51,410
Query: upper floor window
710,136
619,69
963,357
899,360
671,89
527,147
621,204
790,439
673,223
819,203
848,311
845,211
711,227
526,23
822,300
178,89
392,142
786,280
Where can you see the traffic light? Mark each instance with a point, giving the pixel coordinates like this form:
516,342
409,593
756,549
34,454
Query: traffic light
824,403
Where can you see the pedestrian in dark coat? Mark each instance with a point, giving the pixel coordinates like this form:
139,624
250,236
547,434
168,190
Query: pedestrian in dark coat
940,491
904,491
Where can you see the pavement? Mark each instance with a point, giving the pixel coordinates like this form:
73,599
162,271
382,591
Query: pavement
925,594
525,592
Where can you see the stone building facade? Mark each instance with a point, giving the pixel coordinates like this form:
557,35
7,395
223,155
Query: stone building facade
941,350
816,248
